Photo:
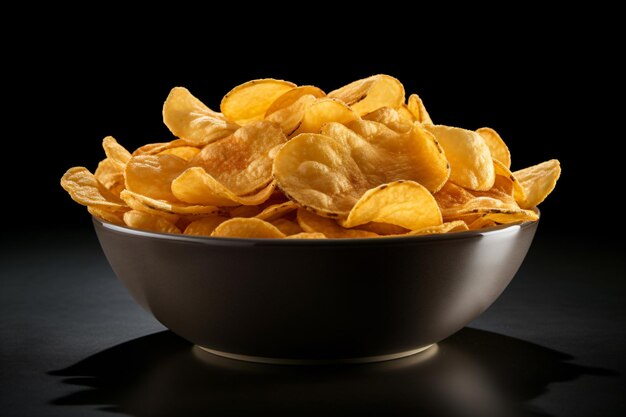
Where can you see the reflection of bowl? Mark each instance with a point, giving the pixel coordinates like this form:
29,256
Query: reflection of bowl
284,301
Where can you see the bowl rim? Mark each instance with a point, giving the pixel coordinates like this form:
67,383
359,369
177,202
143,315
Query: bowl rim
384,241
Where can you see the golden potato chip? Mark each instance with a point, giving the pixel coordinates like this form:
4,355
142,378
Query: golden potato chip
288,227
242,162
505,180
152,175
405,113
538,181
276,211
204,226
145,221
166,206
369,94
307,235
189,119
414,155
390,118
290,117
293,95
137,204
324,110
418,110
312,223
471,165
111,175
451,195
85,189
453,226
512,216
249,101
403,203
383,229
250,228
115,152
156,148
196,186
106,215
482,222
490,206
497,147
183,152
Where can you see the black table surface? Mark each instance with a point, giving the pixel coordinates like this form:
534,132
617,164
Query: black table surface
73,343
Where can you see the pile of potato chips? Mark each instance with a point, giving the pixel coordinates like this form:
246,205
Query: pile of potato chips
282,160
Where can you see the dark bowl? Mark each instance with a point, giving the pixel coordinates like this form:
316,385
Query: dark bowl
326,300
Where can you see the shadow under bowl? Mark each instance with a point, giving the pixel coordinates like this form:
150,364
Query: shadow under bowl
316,301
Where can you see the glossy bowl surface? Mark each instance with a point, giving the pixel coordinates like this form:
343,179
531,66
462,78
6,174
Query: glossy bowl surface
326,300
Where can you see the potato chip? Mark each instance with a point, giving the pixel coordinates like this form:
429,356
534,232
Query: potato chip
383,229
312,223
85,189
111,175
451,195
242,162
497,147
249,101
169,207
204,226
183,152
390,118
152,175
138,204
189,119
418,110
471,165
403,203
481,222
503,172
323,111
276,211
414,155
307,235
291,96
453,226
405,113
538,181
369,94
106,215
156,148
249,228
290,117
288,227
144,221
115,152
196,186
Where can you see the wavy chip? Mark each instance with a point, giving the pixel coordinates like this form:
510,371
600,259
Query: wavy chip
538,181
190,119
323,111
403,203
204,226
248,228
242,162
371,93
196,186
418,110
250,101
145,221
471,165
152,175
312,223
497,147
85,189
291,96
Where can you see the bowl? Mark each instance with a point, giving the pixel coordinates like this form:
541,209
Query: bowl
316,301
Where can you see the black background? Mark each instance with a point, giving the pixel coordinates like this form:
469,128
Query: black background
548,84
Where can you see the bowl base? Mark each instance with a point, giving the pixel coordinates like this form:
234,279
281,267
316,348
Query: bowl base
285,361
